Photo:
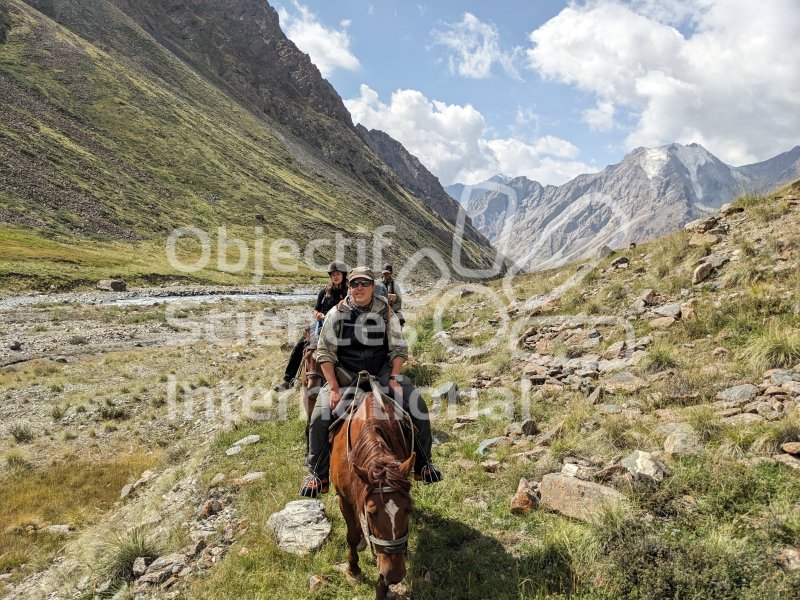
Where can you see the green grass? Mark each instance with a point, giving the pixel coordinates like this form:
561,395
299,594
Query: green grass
774,347
660,357
723,547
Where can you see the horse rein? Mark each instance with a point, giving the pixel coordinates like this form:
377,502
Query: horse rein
376,392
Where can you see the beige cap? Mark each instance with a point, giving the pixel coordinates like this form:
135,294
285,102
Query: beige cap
361,273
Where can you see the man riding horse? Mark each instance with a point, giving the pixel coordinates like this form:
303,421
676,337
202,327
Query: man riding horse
362,334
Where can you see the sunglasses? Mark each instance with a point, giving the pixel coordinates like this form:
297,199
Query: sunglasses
360,282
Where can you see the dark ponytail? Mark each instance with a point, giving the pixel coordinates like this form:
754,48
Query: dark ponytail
330,288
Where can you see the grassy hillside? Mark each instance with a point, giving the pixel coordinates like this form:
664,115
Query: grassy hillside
127,143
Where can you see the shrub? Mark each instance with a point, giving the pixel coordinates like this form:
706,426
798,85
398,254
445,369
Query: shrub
112,411
21,433
650,564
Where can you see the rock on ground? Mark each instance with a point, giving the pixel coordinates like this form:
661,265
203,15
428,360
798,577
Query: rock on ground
525,500
578,499
484,447
739,393
644,467
301,527
683,443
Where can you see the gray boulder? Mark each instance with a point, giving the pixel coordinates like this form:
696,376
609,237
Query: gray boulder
701,273
486,445
669,310
683,443
741,394
301,527
112,285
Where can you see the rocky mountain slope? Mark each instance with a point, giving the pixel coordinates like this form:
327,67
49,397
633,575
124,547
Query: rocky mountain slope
125,120
417,178
651,192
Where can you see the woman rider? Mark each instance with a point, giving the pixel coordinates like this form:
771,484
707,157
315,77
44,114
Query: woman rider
327,298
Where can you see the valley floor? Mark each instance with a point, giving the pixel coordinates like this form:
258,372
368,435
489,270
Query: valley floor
678,400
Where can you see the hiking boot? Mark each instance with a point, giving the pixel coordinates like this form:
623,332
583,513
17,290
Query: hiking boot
313,486
429,474
287,383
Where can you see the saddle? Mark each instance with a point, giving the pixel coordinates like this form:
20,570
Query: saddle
356,399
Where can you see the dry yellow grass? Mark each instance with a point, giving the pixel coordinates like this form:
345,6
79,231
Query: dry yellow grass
67,493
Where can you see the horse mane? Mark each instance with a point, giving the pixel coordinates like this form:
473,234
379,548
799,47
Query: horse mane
376,449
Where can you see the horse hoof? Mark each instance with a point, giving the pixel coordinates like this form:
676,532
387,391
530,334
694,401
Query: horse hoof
354,579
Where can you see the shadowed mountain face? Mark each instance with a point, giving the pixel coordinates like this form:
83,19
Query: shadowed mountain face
127,118
417,178
651,192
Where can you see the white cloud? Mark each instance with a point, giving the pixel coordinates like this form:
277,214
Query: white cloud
328,48
731,84
600,118
452,140
474,48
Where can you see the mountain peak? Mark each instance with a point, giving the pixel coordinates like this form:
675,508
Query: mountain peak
651,192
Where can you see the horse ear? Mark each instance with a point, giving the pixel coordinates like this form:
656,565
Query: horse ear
361,473
405,468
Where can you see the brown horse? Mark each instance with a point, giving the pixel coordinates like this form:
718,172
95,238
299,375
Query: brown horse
370,463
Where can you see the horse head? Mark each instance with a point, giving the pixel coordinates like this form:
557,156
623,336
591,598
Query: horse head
387,508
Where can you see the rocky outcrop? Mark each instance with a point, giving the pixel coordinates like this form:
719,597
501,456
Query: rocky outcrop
240,44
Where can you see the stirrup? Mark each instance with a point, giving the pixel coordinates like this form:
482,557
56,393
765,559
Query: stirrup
313,486
429,474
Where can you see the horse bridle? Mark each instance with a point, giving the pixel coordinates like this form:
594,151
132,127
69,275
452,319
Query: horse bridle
395,546
398,545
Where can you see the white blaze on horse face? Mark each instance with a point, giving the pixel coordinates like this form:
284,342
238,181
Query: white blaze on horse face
391,510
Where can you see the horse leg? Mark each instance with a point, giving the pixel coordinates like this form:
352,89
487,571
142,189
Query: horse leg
381,588
353,537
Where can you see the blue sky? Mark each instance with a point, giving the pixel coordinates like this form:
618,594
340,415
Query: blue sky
550,89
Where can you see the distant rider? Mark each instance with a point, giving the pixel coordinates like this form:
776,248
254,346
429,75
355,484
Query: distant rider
327,298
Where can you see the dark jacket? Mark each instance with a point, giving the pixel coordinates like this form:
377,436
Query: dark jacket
367,343
325,304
